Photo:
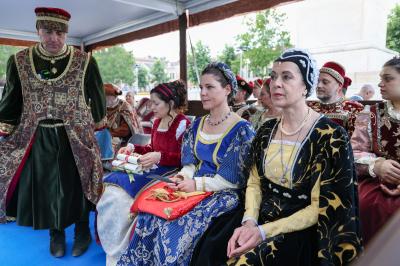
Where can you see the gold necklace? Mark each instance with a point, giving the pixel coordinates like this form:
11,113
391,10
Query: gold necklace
283,178
285,168
43,54
298,129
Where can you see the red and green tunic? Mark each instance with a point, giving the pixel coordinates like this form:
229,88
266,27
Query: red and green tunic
50,160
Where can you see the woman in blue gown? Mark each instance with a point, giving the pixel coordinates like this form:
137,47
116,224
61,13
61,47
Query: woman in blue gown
214,151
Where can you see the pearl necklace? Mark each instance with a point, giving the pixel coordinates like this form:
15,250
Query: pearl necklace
298,129
218,122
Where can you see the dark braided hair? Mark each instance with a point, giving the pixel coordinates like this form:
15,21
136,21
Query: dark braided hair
174,91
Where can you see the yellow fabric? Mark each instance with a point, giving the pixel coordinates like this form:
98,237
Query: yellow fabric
253,195
276,162
300,220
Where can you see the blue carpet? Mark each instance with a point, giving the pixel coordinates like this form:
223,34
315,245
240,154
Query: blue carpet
20,245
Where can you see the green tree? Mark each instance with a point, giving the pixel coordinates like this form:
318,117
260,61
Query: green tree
229,57
116,65
264,40
143,77
202,56
393,29
5,52
158,71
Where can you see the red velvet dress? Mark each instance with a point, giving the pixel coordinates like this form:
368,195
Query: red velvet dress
376,135
165,142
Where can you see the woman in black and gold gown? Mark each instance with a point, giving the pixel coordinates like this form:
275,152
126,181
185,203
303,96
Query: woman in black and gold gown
301,198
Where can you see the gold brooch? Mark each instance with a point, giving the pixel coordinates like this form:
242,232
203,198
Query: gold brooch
168,211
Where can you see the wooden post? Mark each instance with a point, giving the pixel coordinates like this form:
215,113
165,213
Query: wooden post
182,47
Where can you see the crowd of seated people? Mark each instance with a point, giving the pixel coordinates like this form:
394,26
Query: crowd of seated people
311,185
305,183
282,181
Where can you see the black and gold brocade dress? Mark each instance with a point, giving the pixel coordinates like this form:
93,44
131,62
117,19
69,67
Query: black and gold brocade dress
309,213
49,192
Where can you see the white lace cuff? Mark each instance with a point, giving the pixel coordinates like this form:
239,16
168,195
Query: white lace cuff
260,229
131,147
216,183
262,233
249,218
187,171
371,166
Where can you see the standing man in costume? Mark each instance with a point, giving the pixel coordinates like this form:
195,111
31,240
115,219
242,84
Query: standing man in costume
50,168
332,84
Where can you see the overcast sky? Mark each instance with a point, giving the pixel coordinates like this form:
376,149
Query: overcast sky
215,35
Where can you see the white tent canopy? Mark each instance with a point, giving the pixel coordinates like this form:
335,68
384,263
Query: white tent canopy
94,21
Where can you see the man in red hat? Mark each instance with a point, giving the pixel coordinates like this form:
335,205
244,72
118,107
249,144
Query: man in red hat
332,84
257,87
121,118
50,171
240,107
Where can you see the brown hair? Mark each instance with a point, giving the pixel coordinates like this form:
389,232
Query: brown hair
172,91
394,62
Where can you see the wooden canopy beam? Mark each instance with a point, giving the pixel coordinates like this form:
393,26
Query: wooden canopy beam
211,15
182,47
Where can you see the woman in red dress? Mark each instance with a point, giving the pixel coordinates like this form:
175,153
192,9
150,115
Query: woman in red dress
376,145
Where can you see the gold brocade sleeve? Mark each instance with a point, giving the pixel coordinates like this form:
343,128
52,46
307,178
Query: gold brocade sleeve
300,220
253,195
101,125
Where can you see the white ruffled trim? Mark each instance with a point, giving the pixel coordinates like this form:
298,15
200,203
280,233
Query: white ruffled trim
287,142
210,137
181,128
187,171
215,183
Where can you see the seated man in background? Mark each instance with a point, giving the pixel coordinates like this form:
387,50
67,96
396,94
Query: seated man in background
257,87
331,81
146,115
366,93
121,120
240,107
130,98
